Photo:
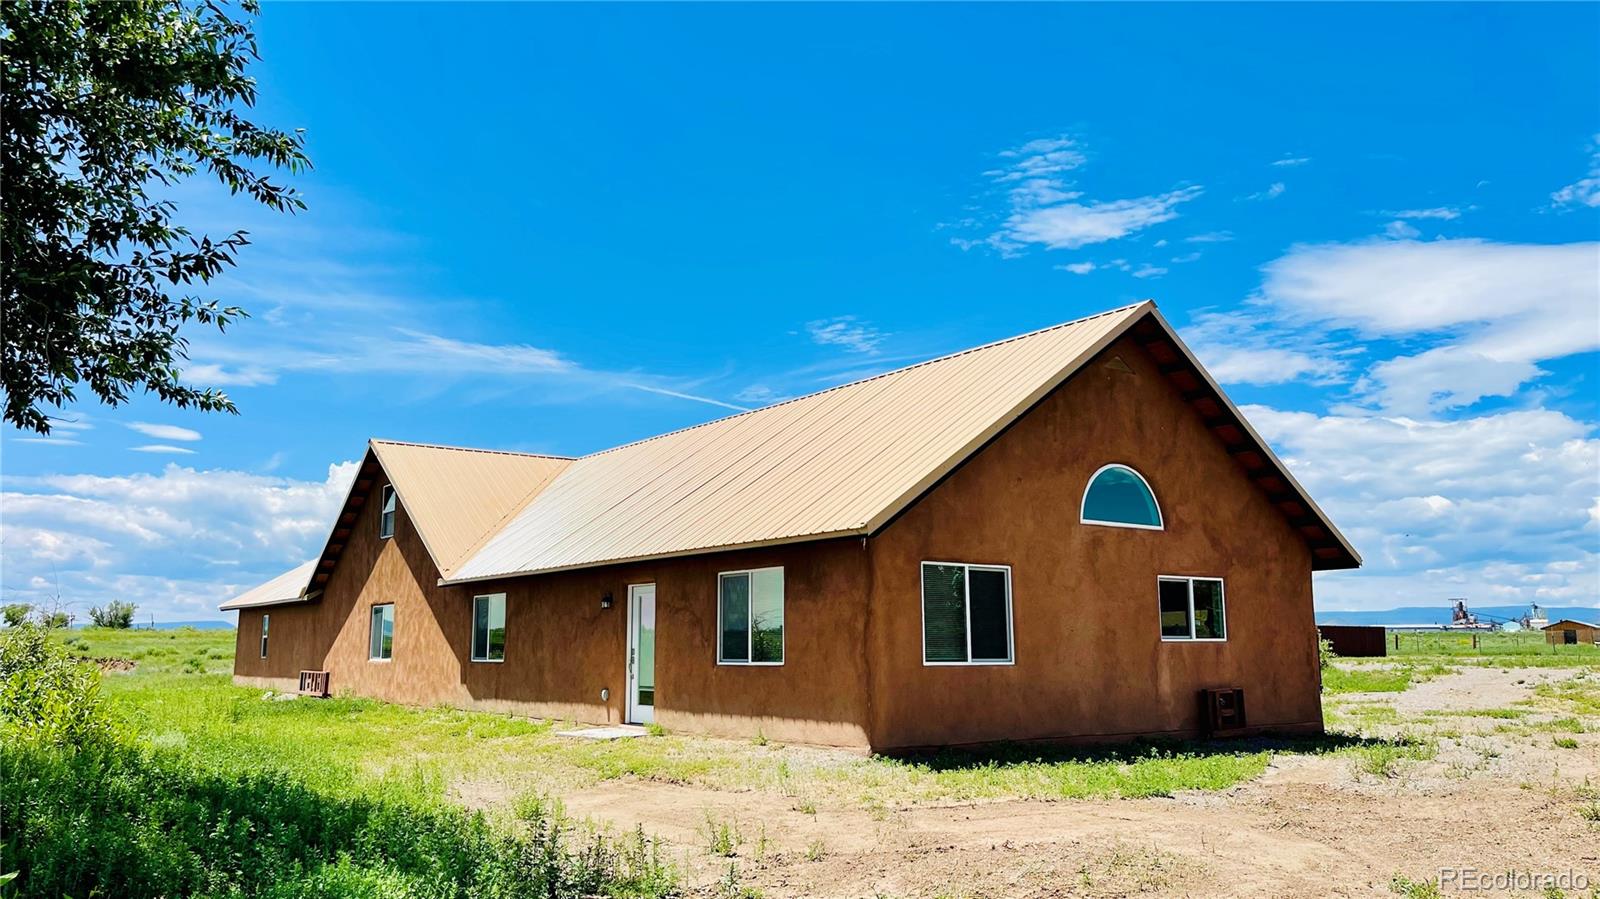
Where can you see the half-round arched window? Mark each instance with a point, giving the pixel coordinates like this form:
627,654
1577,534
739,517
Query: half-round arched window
1120,497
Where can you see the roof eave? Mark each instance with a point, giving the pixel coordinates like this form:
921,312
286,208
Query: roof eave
655,557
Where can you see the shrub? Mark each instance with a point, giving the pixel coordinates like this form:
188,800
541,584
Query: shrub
86,811
16,613
116,614
54,620
139,821
50,697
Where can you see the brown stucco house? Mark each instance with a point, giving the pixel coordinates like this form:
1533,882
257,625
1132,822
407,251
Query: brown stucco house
1067,535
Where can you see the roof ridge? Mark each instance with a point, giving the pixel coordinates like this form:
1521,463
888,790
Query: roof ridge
473,449
896,371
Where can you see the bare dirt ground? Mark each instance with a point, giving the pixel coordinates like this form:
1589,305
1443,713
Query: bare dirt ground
1500,794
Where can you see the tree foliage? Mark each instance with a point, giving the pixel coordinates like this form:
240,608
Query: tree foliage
16,613
104,104
116,613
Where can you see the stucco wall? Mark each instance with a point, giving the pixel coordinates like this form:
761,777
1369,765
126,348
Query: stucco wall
562,648
1089,658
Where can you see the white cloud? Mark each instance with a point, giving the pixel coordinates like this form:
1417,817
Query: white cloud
49,441
760,395
1447,213
1049,211
1039,159
1186,258
1273,191
164,448
164,432
1070,225
1077,268
1400,230
214,375
1496,309
1264,365
1149,271
1239,348
1491,506
1292,161
845,331
145,527
1585,191
1211,237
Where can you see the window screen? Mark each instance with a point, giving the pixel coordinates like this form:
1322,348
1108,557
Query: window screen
1208,623
966,613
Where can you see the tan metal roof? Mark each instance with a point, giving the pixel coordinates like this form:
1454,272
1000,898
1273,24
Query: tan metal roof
843,461
840,462
457,497
285,588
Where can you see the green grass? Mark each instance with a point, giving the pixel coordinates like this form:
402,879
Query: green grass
154,651
426,753
431,753
1517,649
1378,678
1579,693
1401,885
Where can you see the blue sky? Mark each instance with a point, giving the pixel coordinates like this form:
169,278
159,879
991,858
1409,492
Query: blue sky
559,228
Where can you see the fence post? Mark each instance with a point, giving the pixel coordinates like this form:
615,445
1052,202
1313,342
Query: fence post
1397,641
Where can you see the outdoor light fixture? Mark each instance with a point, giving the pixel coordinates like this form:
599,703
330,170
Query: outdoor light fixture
605,601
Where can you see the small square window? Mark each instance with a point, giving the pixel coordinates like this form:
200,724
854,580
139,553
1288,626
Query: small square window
750,617
381,644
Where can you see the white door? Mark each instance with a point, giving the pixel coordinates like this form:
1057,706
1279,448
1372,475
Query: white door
641,654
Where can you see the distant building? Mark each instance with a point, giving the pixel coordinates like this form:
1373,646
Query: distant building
1569,632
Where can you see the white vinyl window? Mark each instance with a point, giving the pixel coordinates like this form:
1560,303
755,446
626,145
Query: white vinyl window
265,620
386,517
966,614
1192,608
489,628
381,646
750,617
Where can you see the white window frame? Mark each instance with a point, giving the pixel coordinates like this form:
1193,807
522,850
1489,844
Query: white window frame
966,586
266,619
472,650
1189,579
370,632
386,496
1083,504
750,634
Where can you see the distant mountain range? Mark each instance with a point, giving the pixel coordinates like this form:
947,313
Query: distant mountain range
1440,614
174,625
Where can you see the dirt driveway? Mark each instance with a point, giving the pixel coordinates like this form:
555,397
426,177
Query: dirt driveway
1500,793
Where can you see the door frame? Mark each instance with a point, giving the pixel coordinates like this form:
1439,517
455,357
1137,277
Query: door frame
632,711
